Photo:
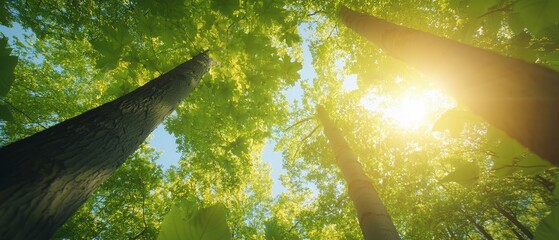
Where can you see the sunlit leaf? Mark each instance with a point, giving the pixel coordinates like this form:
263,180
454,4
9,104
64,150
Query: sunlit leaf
187,221
466,174
5,113
452,120
225,6
479,7
272,230
548,229
537,14
7,66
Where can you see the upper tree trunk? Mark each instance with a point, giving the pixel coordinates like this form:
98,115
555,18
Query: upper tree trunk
515,221
373,218
518,97
45,178
480,228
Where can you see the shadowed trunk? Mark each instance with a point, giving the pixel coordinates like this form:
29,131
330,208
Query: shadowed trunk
46,177
373,218
480,229
518,97
515,221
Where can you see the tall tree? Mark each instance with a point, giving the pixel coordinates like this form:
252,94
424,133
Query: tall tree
47,176
373,217
508,93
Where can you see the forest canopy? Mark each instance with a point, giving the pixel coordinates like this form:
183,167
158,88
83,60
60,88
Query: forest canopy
440,169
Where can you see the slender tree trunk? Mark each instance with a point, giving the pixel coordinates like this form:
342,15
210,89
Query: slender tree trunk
518,97
516,233
549,185
483,232
373,218
45,178
480,228
515,221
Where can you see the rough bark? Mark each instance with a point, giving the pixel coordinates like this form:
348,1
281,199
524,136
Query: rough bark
373,217
520,98
45,178
515,222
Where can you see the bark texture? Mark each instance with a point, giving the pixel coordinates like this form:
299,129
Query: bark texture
45,178
374,220
520,98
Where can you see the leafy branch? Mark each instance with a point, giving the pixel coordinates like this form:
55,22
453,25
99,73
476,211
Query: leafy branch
24,114
505,8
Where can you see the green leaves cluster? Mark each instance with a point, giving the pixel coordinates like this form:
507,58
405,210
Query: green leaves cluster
187,220
7,76
85,53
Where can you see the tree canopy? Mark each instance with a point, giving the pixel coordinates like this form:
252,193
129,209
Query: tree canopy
441,171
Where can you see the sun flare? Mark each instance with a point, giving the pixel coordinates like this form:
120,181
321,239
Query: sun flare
411,110
410,113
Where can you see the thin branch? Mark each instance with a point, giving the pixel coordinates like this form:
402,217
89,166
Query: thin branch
297,123
24,114
305,138
314,13
292,227
143,217
504,9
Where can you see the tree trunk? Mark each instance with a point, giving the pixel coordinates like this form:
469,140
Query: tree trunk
480,229
549,185
518,97
44,178
515,221
516,233
373,218
483,232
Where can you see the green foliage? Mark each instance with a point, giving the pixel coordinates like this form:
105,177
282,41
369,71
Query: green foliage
453,120
187,220
479,7
465,173
227,7
537,14
548,229
510,156
86,53
5,113
7,67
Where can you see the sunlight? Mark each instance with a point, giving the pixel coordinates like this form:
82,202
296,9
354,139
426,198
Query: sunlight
410,113
410,110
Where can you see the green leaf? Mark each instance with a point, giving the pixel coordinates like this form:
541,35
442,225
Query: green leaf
272,230
227,7
477,8
532,164
509,149
5,113
452,120
465,174
556,190
511,156
537,14
187,221
548,229
7,66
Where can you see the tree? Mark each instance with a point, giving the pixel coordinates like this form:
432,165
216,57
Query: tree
508,93
47,176
373,217
76,55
